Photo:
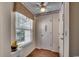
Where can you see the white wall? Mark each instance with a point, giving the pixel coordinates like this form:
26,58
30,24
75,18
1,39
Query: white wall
5,29
13,29
55,31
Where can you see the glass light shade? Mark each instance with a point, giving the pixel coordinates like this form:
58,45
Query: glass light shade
43,9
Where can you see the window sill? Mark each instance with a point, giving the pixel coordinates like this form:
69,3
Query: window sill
21,46
16,52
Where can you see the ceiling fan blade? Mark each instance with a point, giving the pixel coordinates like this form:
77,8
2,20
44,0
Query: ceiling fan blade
42,4
38,4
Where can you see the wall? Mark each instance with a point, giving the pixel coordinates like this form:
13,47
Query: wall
74,28
55,31
5,29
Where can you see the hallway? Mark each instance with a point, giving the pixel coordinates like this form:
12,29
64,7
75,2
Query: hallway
43,53
33,31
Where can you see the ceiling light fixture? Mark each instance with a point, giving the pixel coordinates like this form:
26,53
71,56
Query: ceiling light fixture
43,7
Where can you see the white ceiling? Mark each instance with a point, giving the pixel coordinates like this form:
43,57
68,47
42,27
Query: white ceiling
35,9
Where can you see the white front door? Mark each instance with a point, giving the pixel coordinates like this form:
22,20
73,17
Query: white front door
61,33
46,32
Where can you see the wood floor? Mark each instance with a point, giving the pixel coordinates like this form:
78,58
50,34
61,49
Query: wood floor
43,53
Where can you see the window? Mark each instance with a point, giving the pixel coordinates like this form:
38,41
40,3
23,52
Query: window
24,26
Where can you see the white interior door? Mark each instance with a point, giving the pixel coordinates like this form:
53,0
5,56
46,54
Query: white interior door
46,34
61,33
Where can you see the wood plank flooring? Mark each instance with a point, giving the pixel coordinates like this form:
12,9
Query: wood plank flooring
43,53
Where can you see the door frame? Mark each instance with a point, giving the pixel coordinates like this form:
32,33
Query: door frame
66,29
61,30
